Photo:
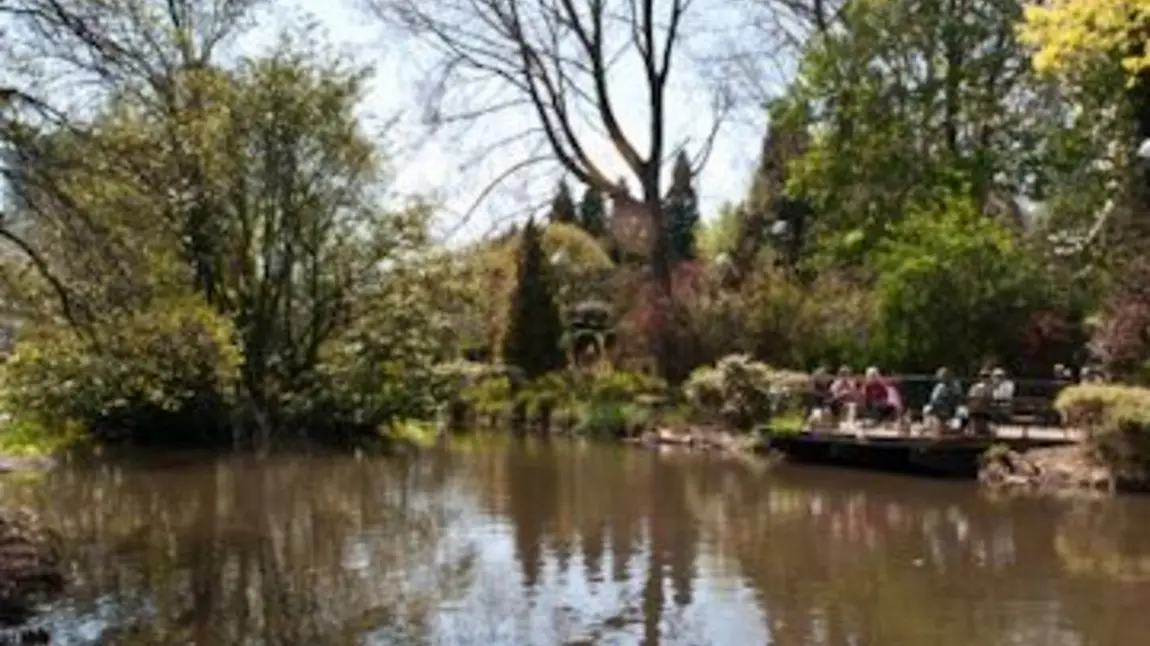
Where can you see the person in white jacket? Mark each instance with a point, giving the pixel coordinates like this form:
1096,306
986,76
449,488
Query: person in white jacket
1002,394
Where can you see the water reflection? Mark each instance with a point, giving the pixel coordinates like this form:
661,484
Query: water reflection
549,543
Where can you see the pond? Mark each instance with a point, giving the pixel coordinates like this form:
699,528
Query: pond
534,543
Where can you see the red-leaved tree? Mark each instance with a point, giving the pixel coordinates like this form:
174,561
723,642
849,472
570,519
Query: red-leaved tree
1122,339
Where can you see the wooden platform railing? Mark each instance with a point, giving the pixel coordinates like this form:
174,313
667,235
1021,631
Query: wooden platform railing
1032,406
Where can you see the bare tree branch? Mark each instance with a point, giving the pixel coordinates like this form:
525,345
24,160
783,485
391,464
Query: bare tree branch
558,58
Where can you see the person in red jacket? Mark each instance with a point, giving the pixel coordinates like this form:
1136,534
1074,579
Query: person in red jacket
881,399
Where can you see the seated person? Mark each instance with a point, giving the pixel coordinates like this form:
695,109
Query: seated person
821,381
1002,395
878,403
979,402
843,391
945,399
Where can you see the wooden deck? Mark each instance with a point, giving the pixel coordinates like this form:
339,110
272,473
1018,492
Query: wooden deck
1000,434
914,450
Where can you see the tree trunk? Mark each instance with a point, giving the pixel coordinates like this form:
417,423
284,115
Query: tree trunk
660,263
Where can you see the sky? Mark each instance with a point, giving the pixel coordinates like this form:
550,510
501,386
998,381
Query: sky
434,165
448,166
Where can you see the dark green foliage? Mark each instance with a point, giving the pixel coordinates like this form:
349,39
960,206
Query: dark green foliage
682,211
534,329
768,203
563,206
593,213
931,310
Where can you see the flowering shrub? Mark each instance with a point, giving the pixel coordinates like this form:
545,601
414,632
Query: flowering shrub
737,389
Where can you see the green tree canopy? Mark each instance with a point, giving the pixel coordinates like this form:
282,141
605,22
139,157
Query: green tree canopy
254,191
956,288
910,98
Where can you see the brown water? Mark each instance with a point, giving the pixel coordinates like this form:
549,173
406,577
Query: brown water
555,544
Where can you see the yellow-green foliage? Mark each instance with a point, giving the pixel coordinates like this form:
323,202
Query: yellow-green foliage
158,359
1117,419
413,432
549,392
1105,406
27,437
578,248
718,235
488,396
581,250
1069,34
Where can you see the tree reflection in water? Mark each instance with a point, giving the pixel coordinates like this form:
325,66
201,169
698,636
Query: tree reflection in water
522,543
299,551
848,558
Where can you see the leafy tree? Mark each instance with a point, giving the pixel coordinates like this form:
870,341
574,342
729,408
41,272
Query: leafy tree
574,247
251,189
563,206
776,318
682,207
381,366
1122,338
593,212
955,288
910,98
1077,33
1088,41
532,341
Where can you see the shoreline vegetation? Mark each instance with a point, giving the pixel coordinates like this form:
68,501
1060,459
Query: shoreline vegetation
731,408
213,254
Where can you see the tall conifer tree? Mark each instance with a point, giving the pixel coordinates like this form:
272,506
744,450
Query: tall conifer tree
563,206
593,213
682,211
534,331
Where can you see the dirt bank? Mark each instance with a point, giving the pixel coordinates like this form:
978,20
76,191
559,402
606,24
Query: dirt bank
1064,470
